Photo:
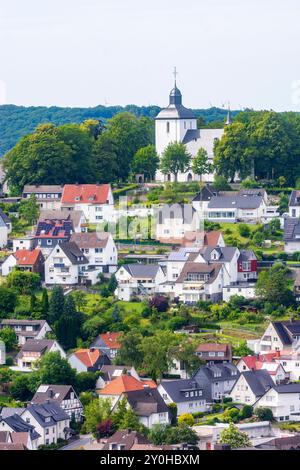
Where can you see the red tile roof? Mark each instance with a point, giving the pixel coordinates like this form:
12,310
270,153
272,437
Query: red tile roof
88,193
111,340
88,357
27,257
124,383
211,238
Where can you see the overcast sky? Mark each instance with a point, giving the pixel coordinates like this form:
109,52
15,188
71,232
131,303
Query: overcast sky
90,52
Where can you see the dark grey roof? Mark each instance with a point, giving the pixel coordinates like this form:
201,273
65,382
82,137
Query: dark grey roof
295,198
73,252
226,253
142,270
232,202
288,388
16,321
246,255
217,372
4,217
286,329
43,188
10,411
127,438
146,402
206,194
57,393
175,110
291,230
176,390
37,345
259,381
48,413
18,424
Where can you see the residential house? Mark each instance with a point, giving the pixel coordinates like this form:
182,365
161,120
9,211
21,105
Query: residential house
138,280
124,383
247,266
250,386
100,250
214,353
51,232
280,335
88,360
23,243
294,204
33,350
296,273
218,379
275,369
188,395
291,235
77,218
15,441
283,400
108,343
48,196
247,207
173,222
94,200
5,229
20,430
124,440
27,329
212,238
111,372
199,281
65,265
24,260
64,395
149,406
281,443
50,421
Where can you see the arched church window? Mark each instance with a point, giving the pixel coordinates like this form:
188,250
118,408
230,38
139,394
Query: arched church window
168,127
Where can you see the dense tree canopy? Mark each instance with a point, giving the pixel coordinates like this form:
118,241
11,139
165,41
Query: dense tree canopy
175,159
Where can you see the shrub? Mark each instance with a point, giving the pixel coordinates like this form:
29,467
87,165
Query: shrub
264,414
186,419
244,230
246,412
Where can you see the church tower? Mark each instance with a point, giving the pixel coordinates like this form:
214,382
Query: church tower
173,122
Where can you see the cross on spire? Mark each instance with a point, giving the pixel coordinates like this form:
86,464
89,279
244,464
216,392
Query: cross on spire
175,73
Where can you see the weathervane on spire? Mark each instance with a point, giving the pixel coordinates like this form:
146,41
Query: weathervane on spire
175,73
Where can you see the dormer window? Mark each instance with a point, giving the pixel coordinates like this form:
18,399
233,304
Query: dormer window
77,198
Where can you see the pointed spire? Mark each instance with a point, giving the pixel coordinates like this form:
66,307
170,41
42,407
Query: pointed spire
229,118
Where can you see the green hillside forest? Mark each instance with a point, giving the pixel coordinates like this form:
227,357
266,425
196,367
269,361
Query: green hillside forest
17,121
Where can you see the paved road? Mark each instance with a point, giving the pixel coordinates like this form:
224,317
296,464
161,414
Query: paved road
83,440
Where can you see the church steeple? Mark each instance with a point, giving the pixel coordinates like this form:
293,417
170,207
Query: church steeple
175,97
229,118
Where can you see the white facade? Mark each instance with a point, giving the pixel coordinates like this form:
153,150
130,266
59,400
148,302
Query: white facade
59,270
271,341
247,291
8,265
48,434
26,362
3,234
178,124
2,353
189,406
285,406
242,393
129,286
25,243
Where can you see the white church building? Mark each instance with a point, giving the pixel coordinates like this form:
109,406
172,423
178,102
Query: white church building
175,123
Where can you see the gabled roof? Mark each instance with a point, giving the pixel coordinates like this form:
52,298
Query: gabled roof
18,424
226,253
217,372
88,357
73,253
56,393
147,401
61,215
51,228
199,268
142,270
286,329
246,255
16,321
87,193
126,438
291,230
37,345
43,188
111,339
233,202
176,390
259,381
211,347
48,413
90,239
27,257
124,383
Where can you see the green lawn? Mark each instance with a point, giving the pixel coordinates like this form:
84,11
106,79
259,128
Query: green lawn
131,307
